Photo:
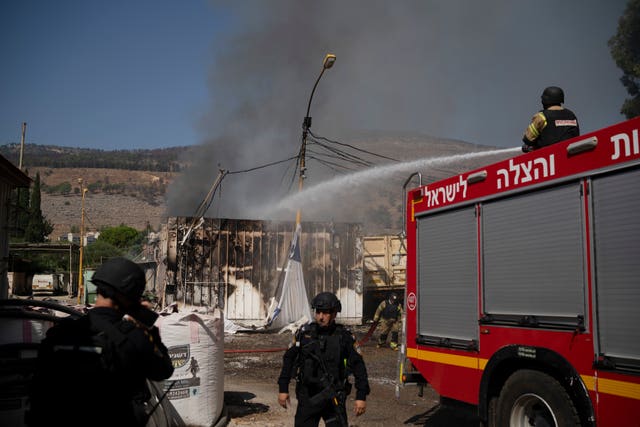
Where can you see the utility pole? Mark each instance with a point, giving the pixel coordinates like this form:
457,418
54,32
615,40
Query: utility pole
24,131
80,278
328,62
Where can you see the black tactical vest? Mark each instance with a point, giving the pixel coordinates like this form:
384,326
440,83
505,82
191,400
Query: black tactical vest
320,358
561,125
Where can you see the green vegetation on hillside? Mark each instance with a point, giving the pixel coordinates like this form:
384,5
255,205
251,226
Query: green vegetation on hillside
156,160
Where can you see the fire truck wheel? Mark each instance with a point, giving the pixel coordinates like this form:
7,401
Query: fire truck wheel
533,398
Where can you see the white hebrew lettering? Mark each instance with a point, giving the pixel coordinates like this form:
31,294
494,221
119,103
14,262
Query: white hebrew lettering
505,174
631,145
516,169
617,139
448,192
526,172
432,198
526,169
463,183
536,171
451,191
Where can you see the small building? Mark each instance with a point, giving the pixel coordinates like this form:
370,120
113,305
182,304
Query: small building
239,264
10,178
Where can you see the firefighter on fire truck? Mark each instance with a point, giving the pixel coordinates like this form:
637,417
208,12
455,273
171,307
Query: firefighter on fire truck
552,124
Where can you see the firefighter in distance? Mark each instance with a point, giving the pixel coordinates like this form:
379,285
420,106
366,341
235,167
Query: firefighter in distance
552,124
321,358
388,316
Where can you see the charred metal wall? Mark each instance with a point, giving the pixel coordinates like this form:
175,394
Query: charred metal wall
238,264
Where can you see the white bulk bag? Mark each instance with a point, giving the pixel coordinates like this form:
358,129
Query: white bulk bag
196,345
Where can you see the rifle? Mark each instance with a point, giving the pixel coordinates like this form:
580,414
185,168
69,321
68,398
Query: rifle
150,414
329,393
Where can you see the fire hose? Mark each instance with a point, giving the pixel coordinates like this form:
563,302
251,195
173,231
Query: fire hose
255,350
363,341
367,336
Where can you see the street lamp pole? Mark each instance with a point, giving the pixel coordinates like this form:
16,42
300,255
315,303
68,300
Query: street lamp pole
328,62
80,278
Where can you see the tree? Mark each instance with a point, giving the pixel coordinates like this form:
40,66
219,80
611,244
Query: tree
38,227
19,212
625,50
122,236
98,251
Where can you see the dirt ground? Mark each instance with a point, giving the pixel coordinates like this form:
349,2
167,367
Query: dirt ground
251,390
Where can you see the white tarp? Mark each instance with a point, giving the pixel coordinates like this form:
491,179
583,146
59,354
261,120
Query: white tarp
293,304
196,345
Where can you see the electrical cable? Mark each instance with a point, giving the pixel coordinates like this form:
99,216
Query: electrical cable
331,165
262,166
346,156
351,146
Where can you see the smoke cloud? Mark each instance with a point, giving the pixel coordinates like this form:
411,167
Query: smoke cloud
470,71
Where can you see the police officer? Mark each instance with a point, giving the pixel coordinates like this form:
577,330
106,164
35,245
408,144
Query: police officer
552,124
322,356
389,314
93,370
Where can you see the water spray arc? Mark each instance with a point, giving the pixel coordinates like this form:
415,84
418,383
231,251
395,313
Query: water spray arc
325,191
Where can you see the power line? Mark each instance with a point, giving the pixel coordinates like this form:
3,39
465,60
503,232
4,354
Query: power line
351,146
262,166
345,156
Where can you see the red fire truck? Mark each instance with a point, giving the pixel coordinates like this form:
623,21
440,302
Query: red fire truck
523,284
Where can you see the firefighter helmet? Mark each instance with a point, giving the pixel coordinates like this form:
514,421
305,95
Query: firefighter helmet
553,95
393,298
123,276
326,301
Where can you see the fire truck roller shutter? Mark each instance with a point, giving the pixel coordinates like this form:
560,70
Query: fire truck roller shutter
447,275
533,254
616,227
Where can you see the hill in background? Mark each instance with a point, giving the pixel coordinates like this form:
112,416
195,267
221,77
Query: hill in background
159,160
130,186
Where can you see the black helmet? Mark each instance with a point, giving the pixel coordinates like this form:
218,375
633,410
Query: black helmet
124,277
393,297
326,301
552,95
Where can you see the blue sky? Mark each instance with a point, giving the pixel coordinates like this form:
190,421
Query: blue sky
157,73
105,74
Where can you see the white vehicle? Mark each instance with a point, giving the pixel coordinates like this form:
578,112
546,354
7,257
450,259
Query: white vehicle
46,284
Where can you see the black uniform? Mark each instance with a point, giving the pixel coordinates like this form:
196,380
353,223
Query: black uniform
549,126
93,371
322,359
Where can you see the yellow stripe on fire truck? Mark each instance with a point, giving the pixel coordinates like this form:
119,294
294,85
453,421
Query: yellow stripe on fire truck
604,385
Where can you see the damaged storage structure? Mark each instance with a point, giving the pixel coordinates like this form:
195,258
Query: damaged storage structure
238,265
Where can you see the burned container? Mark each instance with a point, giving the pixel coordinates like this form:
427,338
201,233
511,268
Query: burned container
238,265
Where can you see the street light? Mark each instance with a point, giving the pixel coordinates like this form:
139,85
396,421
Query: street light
328,62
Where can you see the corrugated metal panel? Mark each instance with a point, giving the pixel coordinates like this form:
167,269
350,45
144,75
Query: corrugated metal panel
447,275
533,254
237,264
385,262
616,225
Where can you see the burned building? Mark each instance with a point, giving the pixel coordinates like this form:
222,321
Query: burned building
238,265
